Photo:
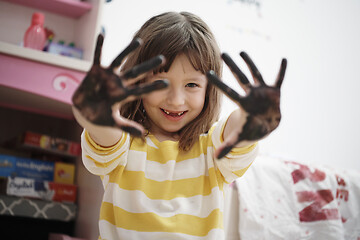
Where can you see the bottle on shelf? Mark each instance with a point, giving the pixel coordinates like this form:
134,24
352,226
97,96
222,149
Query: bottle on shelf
35,35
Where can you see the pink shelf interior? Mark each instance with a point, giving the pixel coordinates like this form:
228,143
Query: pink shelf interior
69,8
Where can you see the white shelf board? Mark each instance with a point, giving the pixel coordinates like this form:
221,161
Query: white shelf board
44,57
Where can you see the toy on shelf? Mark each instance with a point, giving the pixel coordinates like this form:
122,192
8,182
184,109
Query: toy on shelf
35,35
50,144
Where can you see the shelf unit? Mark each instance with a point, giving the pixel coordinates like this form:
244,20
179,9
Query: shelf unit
36,87
22,211
72,21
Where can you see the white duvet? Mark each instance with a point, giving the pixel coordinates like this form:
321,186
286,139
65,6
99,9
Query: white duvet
280,199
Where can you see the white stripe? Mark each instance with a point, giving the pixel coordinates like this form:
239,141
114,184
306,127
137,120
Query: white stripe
242,161
232,162
105,181
90,164
150,142
237,162
110,232
171,170
216,135
137,202
105,158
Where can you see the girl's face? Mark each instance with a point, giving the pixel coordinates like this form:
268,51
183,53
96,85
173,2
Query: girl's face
170,109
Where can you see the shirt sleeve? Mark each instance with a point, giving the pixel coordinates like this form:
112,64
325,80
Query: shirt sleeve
100,160
238,160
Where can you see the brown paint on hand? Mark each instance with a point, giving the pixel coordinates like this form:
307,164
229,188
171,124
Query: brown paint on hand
262,102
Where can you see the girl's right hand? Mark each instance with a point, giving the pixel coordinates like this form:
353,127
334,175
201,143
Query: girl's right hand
97,101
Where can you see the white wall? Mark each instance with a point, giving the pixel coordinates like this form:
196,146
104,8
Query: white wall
320,39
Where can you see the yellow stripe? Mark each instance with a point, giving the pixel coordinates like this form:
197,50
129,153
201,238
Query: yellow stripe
151,222
98,149
169,150
166,190
220,179
241,172
104,164
243,150
138,144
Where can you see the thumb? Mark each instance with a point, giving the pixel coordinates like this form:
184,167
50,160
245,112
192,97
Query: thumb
127,125
228,144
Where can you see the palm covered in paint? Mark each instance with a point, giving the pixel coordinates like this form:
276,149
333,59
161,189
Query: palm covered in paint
261,102
97,98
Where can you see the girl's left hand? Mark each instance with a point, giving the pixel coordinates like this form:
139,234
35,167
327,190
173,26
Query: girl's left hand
261,103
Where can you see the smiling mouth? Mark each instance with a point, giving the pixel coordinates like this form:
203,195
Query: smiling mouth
173,114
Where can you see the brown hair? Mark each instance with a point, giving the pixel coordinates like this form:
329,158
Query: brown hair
171,34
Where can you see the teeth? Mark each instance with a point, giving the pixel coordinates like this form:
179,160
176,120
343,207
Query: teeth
168,113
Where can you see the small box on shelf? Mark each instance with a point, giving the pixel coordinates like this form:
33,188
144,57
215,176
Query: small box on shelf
51,144
12,166
61,49
45,190
64,173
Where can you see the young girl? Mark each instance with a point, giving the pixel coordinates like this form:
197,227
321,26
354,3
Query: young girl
169,183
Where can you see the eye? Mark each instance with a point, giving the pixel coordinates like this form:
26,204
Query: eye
192,85
151,80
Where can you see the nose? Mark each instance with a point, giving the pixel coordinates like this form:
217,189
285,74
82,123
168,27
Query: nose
175,97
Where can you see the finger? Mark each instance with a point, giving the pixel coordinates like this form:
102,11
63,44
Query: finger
137,91
227,145
253,69
215,80
131,127
131,130
223,150
147,88
132,81
239,75
281,74
131,47
97,54
145,67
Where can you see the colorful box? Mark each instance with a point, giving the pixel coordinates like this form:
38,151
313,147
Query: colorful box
64,173
56,145
7,165
63,50
11,166
51,191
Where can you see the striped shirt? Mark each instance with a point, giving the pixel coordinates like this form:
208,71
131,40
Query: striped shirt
153,191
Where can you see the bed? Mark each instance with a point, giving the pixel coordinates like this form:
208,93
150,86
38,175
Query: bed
282,199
